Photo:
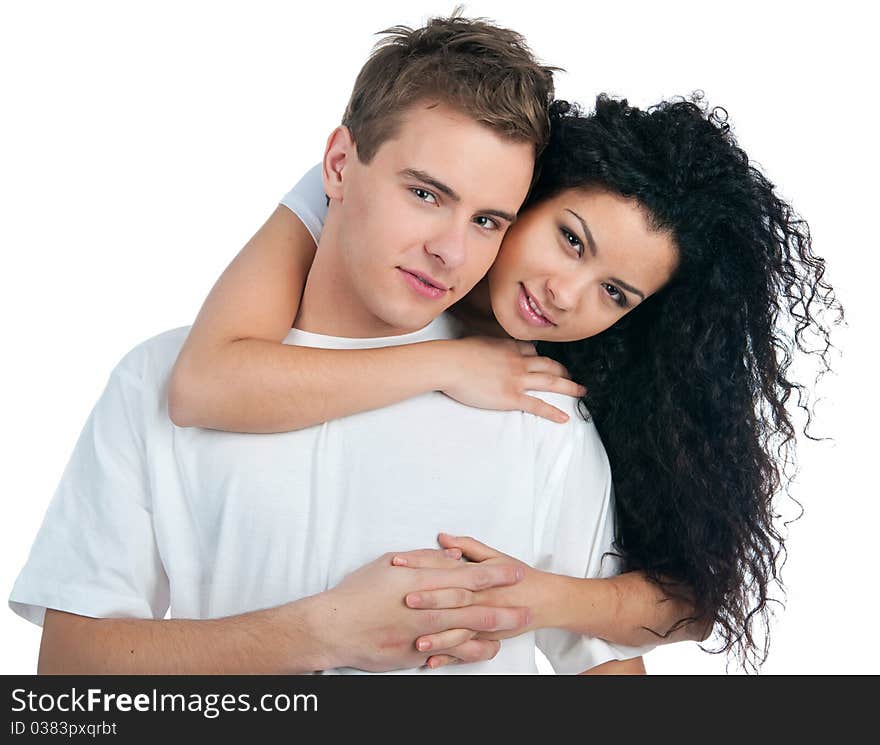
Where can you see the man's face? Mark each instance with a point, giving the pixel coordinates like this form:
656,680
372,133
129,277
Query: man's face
420,224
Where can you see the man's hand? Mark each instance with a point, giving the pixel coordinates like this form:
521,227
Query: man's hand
365,624
362,622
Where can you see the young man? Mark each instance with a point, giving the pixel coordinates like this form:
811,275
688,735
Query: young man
254,541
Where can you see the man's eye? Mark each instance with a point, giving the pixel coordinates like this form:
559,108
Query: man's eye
424,195
573,240
487,222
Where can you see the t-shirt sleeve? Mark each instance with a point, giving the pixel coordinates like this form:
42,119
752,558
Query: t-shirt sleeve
575,531
95,553
308,202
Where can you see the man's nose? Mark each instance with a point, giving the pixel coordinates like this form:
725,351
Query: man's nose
449,247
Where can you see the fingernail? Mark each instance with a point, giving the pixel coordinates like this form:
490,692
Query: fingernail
454,553
423,645
399,561
413,600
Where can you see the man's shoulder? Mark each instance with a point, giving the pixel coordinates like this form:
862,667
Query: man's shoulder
577,411
150,362
578,436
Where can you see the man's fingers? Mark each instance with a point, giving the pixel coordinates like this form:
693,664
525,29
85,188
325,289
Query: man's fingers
534,405
474,650
427,558
453,597
439,660
470,547
444,641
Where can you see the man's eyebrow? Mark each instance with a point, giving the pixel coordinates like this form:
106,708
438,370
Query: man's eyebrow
593,251
500,213
450,192
431,181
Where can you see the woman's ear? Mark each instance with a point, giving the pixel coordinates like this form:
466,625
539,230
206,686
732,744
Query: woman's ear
338,153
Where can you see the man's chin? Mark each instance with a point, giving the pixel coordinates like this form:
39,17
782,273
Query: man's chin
409,320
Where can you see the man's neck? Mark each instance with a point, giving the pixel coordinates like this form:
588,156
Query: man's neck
329,303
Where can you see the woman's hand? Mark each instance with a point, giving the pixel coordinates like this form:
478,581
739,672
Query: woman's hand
490,373
536,591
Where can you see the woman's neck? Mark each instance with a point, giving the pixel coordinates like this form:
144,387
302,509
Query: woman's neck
474,310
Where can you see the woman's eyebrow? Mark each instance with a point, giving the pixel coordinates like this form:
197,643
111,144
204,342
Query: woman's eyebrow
626,286
590,242
593,251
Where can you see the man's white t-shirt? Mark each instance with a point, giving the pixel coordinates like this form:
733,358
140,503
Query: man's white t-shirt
150,516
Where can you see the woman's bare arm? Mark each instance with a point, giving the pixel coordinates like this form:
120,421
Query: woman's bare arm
634,666
233,373
627,609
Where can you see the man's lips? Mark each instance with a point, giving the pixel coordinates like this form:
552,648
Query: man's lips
531,310
424,284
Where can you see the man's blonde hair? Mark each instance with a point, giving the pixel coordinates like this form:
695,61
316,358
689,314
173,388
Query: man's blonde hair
482,70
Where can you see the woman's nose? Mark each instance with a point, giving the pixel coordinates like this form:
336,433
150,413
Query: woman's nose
563,293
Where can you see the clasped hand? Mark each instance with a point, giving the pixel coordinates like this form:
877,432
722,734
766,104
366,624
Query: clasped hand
428,607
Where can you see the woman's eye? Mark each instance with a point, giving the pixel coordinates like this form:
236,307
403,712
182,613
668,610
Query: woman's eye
424,195
573,241
616,295
486,222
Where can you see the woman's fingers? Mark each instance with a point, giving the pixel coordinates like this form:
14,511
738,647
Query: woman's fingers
472,577
526,349
553,384
453,597
479,618
428,558
534,405
470,547
548,366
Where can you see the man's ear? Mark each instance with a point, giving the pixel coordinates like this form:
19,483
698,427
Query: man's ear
338,153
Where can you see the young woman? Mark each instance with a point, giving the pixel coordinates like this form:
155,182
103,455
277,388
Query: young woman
659,267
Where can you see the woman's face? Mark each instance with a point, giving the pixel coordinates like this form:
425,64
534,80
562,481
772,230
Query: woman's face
572,265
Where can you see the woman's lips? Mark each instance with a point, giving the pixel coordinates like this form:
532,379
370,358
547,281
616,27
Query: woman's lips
527,313
414,280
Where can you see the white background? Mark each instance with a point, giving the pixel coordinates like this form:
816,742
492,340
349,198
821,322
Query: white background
141,145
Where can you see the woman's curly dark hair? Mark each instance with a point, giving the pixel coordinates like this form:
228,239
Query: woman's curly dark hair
689,390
